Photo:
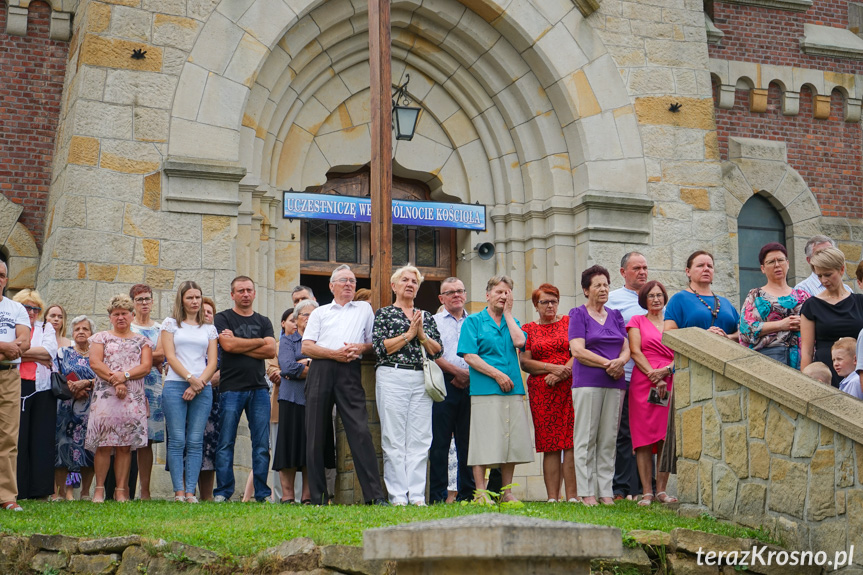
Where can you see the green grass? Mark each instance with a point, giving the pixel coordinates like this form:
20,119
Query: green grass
243,529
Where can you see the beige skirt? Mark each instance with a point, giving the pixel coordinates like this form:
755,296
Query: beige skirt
499,430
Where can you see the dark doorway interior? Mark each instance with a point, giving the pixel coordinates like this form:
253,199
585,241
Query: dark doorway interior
426,299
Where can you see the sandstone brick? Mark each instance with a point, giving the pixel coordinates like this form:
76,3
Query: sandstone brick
821,491
159,278
788,483
95,564
805,438
757,414
854,500
780,431
728,407
735,447
750,504
826,437
130,274
687,481
175,31
691,432
705,482
725,491
98,17
116,53
711,146
844,461
147,252
712,438
694,112
153,191
698,198
101,272
759,460
131,3
48,562
83,151
151,125
126,165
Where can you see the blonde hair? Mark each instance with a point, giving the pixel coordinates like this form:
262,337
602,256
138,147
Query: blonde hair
30,295
494,280
848,344
179,313
818,371
397,275
62,330
828,259
121,301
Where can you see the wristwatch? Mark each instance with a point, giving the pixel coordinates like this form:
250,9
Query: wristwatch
188,377
127,376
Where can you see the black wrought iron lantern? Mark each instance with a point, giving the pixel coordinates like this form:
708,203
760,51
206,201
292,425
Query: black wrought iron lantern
405,116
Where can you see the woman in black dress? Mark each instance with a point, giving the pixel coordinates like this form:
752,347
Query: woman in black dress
832,314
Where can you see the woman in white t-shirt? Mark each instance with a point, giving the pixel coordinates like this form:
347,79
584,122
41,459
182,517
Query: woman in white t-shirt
190,347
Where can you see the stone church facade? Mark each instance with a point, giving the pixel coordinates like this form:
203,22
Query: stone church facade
587,127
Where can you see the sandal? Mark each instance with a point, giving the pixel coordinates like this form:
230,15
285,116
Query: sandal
646,500
191,499
609,501
665,498
11,506
96,498
124,490
306,501
288,501
179,498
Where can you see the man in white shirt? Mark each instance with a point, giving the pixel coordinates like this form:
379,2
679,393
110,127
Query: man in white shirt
14,340
812,285
633,268
336,336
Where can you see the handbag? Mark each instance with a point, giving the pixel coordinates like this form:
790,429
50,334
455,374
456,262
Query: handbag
433,378
59,386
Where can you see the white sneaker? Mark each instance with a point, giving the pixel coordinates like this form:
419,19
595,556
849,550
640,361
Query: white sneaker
220,499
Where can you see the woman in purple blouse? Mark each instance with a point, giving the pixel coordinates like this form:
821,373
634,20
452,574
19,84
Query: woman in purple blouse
597,339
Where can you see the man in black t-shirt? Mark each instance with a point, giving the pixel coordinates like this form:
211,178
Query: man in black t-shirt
247,339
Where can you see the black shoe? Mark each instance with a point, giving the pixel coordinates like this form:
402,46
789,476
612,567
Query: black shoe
379,501
287,501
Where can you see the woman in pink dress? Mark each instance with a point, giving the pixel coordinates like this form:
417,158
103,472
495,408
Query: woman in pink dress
118,412
649,388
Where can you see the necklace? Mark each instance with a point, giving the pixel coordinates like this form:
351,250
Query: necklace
658,326
714,311
83,353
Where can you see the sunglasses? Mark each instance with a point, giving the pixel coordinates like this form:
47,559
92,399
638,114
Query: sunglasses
32,308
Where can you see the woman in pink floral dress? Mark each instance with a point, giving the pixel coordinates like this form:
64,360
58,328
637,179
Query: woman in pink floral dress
118,412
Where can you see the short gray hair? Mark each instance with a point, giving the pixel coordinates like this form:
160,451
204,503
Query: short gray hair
303,305
78,319
339,269
493,281
814,241
300,288
625,259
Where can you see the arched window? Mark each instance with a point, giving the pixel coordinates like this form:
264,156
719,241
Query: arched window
758,223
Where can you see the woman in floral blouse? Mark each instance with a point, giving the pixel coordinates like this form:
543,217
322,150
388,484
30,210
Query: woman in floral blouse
770,318
403,405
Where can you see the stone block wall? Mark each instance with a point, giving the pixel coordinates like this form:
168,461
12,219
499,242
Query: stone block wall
762,445
31,83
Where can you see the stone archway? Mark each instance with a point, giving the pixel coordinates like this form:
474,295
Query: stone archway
524,110
761,166
19,246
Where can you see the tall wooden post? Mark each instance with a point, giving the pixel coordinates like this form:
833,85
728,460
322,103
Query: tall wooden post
380,66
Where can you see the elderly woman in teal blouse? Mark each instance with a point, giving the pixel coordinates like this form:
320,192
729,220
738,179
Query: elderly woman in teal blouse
499,425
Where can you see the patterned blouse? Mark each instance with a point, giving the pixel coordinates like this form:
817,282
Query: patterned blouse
391,322
760,307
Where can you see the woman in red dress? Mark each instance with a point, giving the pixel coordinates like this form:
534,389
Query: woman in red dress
547,359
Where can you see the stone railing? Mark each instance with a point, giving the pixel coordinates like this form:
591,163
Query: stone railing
762,445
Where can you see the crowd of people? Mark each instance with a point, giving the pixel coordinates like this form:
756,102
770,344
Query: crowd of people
596,400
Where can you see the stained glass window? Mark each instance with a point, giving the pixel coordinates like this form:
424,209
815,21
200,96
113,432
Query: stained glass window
400,245
317,240
346,242
426,247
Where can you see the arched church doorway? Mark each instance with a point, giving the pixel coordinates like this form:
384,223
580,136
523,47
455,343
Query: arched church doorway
325,244
758,223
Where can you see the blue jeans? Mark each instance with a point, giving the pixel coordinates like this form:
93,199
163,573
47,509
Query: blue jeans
185,421
256,404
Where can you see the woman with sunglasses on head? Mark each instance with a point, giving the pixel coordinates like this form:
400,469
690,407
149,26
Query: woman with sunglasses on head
38,405
142,297
770,318
548,360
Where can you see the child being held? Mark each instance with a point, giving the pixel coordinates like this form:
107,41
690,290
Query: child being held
844,353
818,371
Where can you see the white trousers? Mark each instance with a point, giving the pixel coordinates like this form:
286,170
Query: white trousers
597,418
405,410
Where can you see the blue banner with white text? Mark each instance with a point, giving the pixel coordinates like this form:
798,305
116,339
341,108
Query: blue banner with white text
408,213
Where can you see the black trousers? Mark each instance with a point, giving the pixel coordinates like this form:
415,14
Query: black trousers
626,480
36,442
333,383
450,417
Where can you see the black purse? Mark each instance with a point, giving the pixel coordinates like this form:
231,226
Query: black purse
59,386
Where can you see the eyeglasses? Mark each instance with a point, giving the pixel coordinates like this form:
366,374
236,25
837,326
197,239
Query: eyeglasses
304,315
33,308
776,262
548,302
351,281
453,292
655,296
143,299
